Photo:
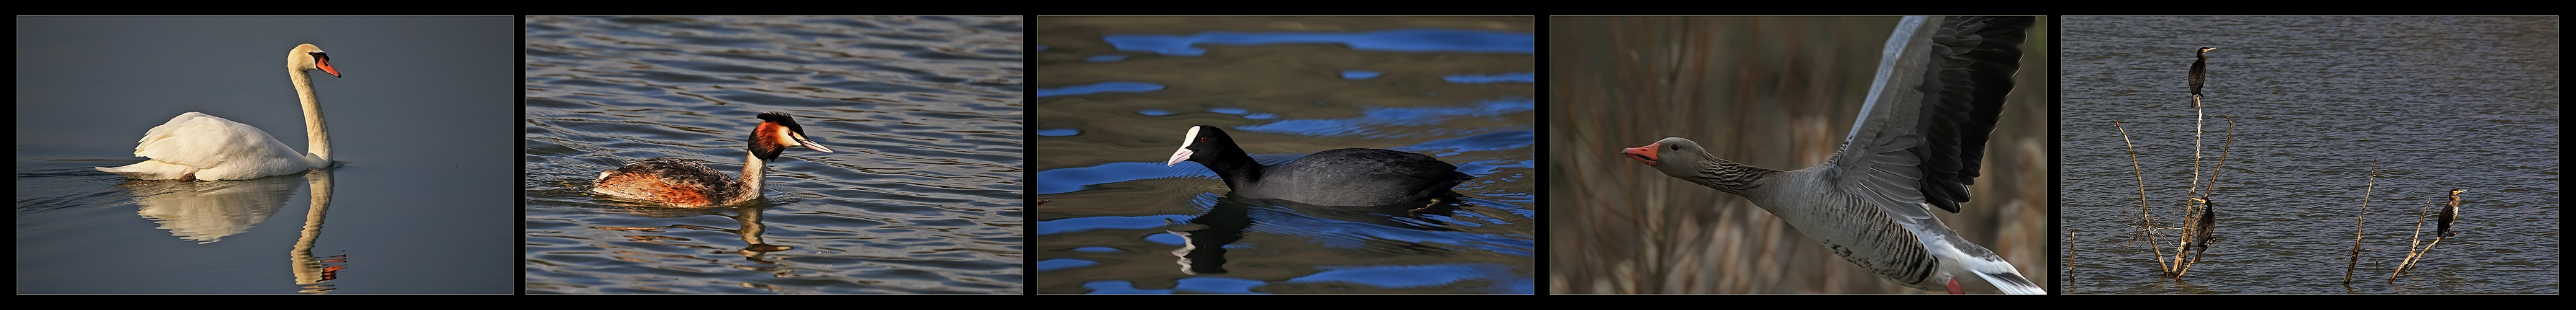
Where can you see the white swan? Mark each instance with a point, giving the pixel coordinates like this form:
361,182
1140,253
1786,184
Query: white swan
196,146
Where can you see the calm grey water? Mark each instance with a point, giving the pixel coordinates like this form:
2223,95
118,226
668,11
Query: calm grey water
1116,94
2438,103
921,193
420,120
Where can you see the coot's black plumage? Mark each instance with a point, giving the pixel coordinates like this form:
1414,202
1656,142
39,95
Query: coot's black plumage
1343,177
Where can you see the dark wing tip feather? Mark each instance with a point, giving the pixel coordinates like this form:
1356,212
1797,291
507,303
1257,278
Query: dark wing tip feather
1979,57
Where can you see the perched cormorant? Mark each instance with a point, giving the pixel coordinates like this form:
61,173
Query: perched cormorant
2200,233
2197,67
2450,213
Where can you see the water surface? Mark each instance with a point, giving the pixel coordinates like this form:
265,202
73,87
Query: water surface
921,193
2436,103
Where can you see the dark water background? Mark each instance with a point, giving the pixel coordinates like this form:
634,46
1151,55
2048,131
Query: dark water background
2437,103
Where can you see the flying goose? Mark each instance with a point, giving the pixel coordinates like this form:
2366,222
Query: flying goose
1916,146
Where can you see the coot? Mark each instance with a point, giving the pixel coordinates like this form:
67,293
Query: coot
1343,177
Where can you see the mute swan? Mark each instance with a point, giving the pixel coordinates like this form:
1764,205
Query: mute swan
196,146
681,183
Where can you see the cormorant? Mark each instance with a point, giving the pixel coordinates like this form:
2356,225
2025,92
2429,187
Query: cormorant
2450,213
2201,232
2197,69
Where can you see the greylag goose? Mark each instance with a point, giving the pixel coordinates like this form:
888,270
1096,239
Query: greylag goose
1916,146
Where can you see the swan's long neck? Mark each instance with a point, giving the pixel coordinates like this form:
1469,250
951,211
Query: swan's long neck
317,138
749,186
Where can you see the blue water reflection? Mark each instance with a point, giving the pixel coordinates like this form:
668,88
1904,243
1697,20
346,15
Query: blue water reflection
1403,40
1520,77
1375,117
1104,87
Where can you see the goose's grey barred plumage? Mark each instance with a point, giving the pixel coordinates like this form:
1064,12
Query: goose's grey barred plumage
1917,146
2449,214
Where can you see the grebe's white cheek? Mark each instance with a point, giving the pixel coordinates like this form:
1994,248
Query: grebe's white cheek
790,137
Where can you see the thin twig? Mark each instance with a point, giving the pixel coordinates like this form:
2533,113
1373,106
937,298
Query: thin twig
2412,254
2182,247
2212,189
2146,220
2357,221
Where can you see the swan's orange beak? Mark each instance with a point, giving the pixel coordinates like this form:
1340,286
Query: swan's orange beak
325,63
1643,154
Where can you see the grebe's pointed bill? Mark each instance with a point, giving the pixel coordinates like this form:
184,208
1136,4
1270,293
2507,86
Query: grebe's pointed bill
1184,153
1643,154
801,141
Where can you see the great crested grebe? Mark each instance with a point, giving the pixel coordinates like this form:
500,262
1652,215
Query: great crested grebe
681,183
196,146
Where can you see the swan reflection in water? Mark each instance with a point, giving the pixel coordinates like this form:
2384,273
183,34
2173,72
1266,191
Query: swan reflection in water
208,211
1205,237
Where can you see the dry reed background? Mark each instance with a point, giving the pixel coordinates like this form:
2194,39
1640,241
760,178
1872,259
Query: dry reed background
1774,92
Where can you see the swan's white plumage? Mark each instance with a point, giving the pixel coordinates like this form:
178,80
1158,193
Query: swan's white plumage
197,146
212,148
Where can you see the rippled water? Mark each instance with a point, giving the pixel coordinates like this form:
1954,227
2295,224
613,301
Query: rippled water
1116,94
2437,103
921,193
419,120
